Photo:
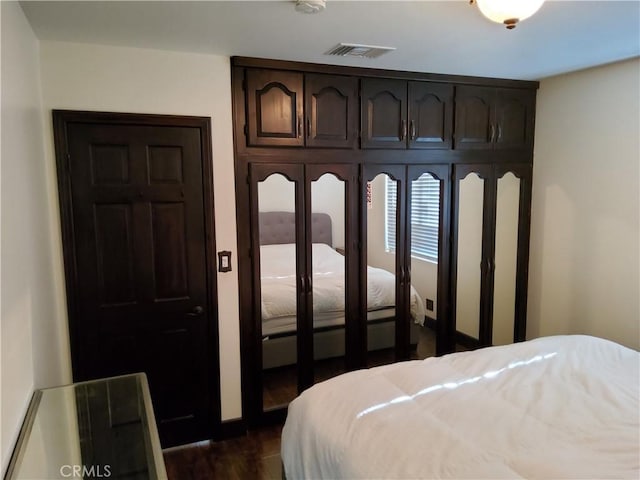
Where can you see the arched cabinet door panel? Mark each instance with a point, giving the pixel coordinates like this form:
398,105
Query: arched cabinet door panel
331,109
274,107
514,112
430,115
474,127
384,113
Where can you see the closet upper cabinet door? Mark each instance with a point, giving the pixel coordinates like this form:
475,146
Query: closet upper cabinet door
514,117
474,128
331,106
430,115
384,113
274,103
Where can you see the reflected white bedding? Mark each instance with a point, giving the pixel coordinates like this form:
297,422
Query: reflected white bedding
320,319
555,407
278,281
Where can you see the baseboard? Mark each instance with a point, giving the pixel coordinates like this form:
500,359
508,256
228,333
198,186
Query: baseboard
231,429
467,341
430,323
228,429
463,339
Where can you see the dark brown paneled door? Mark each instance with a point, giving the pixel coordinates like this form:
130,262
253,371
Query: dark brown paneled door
141,298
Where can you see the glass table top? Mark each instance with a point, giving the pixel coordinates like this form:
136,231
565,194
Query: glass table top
97,429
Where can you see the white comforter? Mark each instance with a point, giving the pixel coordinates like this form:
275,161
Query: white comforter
278,281
556,407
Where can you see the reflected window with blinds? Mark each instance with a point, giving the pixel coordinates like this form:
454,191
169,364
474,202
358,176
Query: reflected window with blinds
425,215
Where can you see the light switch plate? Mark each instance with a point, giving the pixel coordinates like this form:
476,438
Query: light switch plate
224,261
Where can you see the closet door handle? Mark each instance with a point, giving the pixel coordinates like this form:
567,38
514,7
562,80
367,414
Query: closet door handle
499,132
412,130
308,127
403,129
300,126
492,133
487,266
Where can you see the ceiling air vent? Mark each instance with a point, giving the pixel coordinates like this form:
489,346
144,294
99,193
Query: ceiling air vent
355,50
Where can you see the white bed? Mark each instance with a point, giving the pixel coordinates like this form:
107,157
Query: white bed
278,285
555,407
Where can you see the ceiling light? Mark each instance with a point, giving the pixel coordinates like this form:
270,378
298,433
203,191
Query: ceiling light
508,12
310,6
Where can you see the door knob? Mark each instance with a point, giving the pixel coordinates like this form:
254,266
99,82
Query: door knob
196,311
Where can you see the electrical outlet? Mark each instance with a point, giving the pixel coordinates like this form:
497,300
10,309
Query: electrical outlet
429,304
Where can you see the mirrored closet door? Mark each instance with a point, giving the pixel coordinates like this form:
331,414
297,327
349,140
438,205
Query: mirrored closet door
383,269
470,268
406,212
490,228
306,294
331,227
427,255
278,280
505,259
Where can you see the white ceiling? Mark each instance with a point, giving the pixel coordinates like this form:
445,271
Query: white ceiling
430,36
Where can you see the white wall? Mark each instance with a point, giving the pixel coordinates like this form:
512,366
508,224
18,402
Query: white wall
100,78
34,346
584,267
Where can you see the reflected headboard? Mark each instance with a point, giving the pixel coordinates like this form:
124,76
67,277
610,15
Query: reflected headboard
280,227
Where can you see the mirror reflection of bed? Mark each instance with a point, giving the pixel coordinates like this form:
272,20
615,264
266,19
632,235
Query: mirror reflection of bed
276,198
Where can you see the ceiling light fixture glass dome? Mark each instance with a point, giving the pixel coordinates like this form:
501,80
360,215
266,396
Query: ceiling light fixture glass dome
508,12
310,6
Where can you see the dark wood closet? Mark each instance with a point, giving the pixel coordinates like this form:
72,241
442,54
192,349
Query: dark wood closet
136,203
335,169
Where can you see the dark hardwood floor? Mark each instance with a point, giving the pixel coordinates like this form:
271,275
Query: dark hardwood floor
255,456
280,385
